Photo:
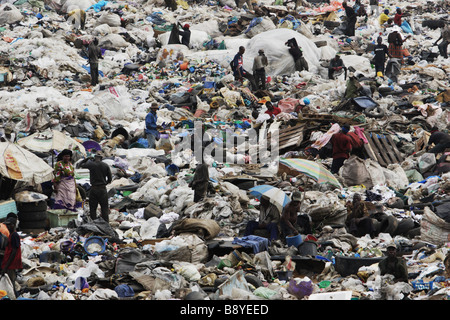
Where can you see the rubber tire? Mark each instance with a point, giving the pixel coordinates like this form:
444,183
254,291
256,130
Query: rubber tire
413,233
32,206
255,281
41,224
331,24
404,226
389,225
368,112
32,216
433,24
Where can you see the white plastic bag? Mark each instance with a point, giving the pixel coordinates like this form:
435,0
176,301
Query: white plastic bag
7,285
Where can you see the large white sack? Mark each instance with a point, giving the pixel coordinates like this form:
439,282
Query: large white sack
70,5
280,60
9,14
109,18
211,26
266,24
112,41
360,63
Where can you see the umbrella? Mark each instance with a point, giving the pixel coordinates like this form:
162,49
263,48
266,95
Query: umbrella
312,169
50,140
277,196
17,163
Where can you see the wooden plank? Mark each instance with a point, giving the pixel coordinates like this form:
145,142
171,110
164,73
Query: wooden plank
375,150
394,146
389,150
370,152
380,148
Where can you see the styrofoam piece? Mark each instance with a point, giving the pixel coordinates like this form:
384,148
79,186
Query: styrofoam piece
339,295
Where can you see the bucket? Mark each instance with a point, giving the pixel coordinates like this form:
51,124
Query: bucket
234,257
284,275
294,240
307,248
224,263
94,245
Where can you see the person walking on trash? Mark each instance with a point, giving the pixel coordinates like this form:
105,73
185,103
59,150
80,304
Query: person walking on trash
259,71
151,128
100,176
238,69
342,145
380,51
94,54
64,182
297,54
200,182
445,36
269,218
351,20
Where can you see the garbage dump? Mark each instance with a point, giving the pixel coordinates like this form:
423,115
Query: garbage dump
221,151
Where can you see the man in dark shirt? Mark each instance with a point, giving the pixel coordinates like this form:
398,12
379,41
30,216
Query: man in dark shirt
380,50
394,265
94,53
441,141
237,65
336,64
351,20
100,176
185,34
297,54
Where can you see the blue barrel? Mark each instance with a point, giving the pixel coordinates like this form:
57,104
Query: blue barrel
294,240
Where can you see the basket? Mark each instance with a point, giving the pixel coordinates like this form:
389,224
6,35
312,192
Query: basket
94,245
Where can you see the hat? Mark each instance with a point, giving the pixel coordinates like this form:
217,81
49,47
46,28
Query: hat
186,26
391,245
306,101
296,196
99,153
154,106
10,221
261,51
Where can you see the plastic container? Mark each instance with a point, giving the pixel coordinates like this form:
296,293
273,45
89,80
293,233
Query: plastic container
346,266
94,245
294,240
60,217
307,248
284,275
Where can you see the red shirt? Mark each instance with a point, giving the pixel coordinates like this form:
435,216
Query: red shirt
342,145
14,242
274,111
398,19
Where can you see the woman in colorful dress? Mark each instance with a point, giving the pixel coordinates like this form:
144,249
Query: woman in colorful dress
64,182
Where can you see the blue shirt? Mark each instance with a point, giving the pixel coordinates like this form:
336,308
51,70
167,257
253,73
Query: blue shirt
150,124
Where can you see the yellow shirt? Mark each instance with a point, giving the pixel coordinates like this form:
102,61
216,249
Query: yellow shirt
383,18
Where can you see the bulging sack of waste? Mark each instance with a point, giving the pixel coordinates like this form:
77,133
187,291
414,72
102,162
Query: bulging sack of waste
300,287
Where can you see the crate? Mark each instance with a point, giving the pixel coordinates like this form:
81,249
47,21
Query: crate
420,285
61,217
7,207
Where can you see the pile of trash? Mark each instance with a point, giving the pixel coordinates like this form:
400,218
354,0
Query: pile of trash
159,244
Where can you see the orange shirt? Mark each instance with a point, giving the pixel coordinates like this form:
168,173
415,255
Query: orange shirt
4,229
